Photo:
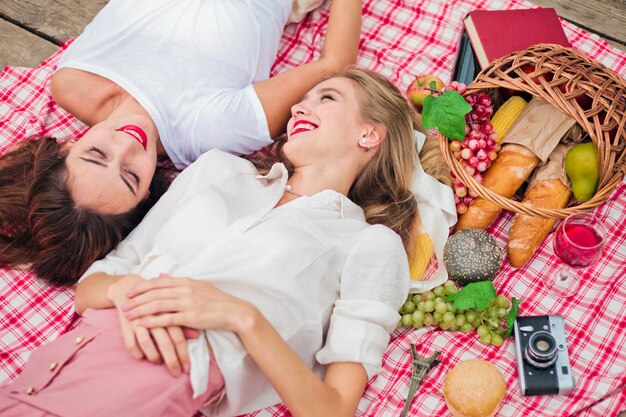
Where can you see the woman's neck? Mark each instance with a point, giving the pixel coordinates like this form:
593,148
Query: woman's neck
92,98
310,180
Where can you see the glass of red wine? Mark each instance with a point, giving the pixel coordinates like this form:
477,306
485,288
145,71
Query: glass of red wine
578,241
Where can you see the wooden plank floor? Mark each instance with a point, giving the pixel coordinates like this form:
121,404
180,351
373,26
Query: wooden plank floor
32,31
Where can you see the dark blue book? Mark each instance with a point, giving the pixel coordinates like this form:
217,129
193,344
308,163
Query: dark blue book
466,68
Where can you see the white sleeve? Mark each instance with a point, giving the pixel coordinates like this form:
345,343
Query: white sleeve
208,169
232,120
374,284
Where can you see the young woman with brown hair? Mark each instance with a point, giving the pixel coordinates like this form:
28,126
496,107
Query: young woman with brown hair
294,276
153,78
44,227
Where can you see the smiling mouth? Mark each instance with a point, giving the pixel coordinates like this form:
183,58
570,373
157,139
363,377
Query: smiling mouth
136,133
303,126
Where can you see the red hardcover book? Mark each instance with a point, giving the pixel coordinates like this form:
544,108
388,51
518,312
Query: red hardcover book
495,33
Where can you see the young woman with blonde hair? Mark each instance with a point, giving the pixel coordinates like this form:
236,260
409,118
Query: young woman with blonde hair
293,274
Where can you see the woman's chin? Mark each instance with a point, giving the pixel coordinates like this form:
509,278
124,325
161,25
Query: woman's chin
292,149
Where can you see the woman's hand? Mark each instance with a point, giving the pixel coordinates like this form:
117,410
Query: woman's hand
168,301
166,343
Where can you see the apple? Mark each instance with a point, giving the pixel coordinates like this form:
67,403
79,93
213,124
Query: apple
419,89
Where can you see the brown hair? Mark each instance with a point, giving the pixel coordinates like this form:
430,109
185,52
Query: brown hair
41,225
383,187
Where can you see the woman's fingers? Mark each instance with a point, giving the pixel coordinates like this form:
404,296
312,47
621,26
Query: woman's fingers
154,307
163,281
167,349
164,320
157,294
180,345
130,340
191,333
167,301
146,344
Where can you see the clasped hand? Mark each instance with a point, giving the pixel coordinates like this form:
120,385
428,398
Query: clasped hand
158,315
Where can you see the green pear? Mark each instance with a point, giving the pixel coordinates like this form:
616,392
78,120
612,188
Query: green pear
581,165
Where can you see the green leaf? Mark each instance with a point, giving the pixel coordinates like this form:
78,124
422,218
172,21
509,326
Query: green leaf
510,318
475,295
429,102
432,85
446,113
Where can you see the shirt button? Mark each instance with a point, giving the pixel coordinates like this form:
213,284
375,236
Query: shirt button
52,366
30,390
79,340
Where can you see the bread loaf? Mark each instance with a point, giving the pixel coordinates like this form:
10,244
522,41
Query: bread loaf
507,173
527,232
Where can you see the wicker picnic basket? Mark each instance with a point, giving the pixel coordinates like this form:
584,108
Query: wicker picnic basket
560,75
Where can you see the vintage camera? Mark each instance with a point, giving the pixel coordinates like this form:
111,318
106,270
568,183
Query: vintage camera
542,361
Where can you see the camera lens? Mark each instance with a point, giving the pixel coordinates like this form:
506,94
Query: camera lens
540,351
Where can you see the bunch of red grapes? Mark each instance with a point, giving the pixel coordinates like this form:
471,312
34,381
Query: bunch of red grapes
479,148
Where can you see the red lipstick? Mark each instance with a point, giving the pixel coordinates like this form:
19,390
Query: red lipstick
297,130
136,133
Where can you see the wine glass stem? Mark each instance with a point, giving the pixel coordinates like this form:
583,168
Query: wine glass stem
563,275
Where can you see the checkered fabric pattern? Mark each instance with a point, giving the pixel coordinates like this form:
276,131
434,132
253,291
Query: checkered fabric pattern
399,39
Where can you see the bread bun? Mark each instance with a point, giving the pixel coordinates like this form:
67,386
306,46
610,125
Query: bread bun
474,388
472,255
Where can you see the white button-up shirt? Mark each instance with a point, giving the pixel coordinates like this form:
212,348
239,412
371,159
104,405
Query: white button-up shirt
330,283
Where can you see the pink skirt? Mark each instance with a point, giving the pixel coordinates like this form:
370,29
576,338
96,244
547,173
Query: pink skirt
89,372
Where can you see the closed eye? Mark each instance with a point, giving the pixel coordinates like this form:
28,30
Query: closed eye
98,151
102,155
134,175
329,93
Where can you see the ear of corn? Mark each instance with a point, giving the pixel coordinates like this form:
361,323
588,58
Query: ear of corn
422,252
506,115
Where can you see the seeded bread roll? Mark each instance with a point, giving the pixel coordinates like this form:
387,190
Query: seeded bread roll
472,255
527,232
507,173
474,388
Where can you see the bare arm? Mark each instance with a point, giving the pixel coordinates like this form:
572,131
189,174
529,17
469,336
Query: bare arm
302,391
340,49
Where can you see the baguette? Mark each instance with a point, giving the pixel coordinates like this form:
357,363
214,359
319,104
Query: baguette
507,173
527,232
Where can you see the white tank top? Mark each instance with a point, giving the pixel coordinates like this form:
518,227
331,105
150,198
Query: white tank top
191,64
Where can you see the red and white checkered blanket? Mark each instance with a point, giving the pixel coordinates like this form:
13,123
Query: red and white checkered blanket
399,39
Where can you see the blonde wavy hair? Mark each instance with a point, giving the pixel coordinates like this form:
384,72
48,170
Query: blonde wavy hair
382,189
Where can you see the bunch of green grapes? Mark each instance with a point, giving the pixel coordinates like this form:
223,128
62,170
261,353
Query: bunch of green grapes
430,309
